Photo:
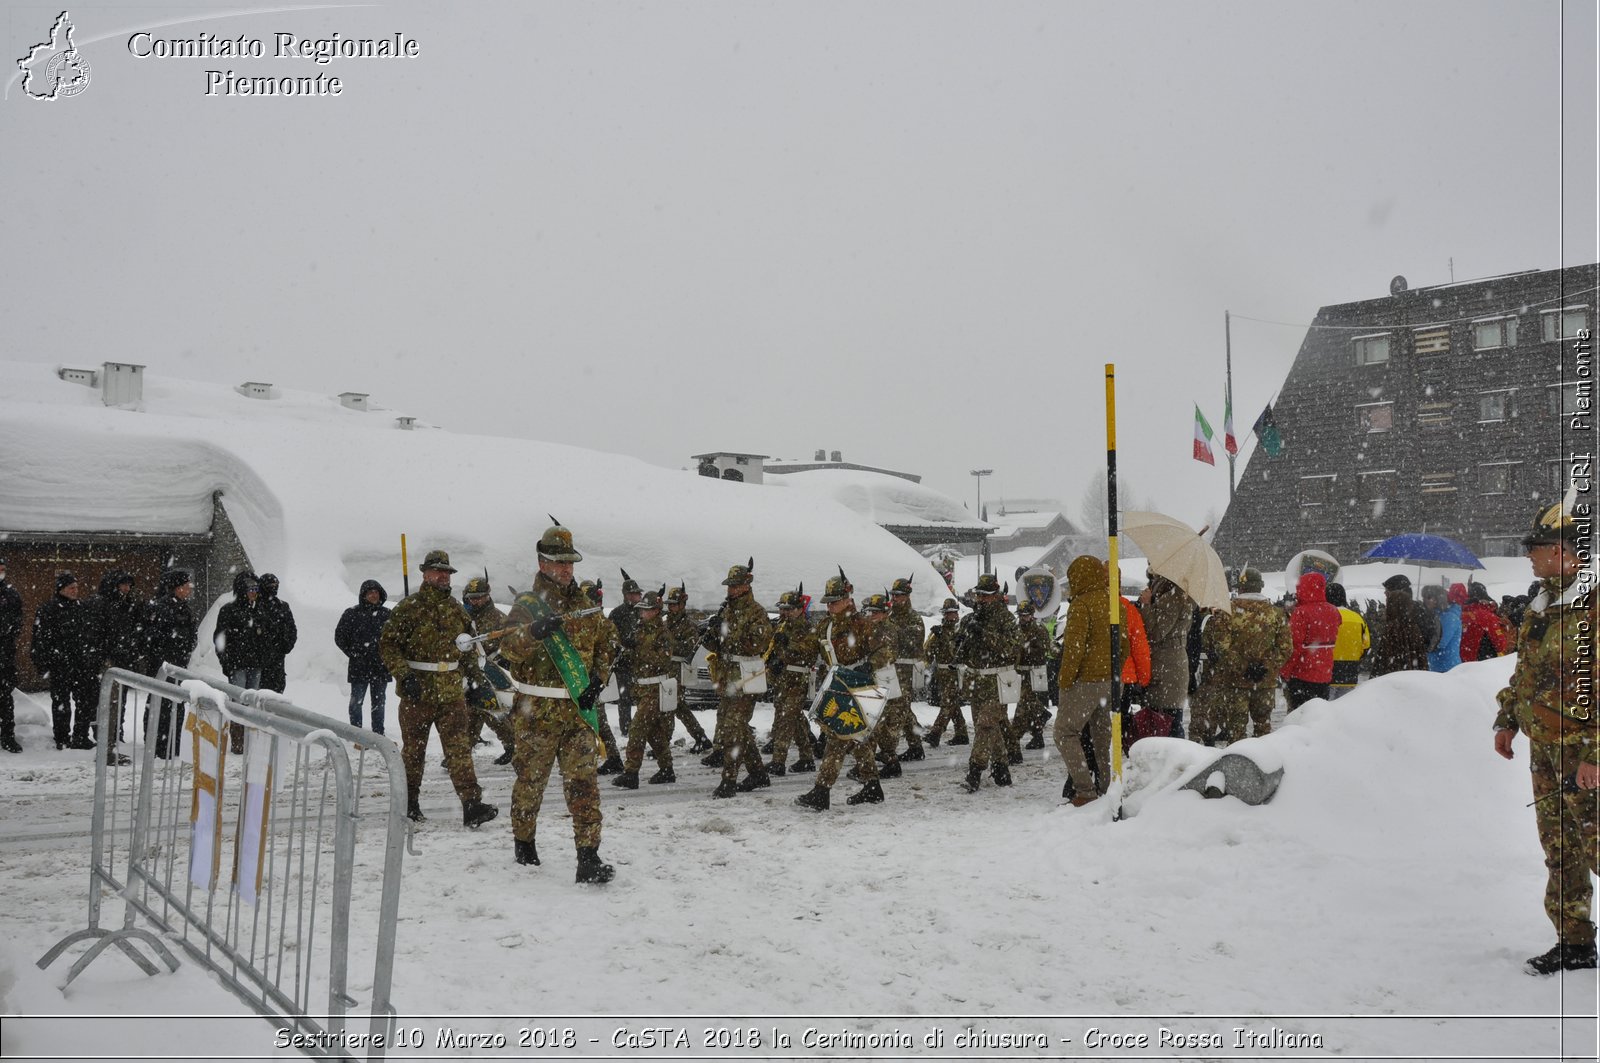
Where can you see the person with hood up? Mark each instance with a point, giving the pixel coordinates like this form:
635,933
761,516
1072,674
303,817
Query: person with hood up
1350,646
1168,614
356,635
1483,632
1314,631
1085,679
1406,634
1445,653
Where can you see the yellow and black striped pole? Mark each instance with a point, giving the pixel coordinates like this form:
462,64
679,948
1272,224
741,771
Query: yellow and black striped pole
1115,576
405,567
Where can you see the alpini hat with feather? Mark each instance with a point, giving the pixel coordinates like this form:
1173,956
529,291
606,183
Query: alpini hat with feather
794,599
838,588
739,575
556,544
629,584
988,583
901,586
1554,523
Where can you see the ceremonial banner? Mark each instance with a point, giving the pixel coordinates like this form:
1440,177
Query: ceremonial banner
574,676
838,705
205,849
250,848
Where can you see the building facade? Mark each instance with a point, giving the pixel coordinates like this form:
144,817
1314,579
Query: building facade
1453,410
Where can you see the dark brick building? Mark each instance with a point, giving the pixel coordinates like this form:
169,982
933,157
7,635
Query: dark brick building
1454,409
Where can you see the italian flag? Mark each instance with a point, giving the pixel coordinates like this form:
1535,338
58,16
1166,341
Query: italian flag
1202,438
1229,442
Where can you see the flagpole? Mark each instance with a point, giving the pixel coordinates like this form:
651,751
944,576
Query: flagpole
1115,580
1227,339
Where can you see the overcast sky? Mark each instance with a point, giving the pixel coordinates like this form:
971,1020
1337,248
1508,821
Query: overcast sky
913,232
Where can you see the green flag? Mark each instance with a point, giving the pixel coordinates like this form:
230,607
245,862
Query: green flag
1266,430
574,676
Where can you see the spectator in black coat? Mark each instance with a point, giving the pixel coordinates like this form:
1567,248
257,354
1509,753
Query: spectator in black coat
10,631
357,637
1409,631
282,634
115,617
170,634
66,651
243,638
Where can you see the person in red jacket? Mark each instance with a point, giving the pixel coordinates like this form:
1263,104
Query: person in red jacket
1483,631
1314,627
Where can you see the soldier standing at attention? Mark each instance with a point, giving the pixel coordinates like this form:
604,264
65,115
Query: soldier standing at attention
652,663
846,642
745,636
486,617
1258,646
795,650
905,634
988,645
548,722
683,640
418,647
940,651
1551,699
1031,714
625,618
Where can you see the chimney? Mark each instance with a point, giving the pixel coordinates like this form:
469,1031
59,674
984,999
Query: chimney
353,400
255,389
822,455
121,383
836,456
405,423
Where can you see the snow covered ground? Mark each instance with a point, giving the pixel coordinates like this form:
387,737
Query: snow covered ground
1383,901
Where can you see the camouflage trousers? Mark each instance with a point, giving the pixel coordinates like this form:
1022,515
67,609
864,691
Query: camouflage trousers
500,725
837,749
1085,704
650,725
735,740
548,731
685,716
789,727
1205,717
1239,706
608,741
896,722
1567,833
949,704
988,724
1028,717
454,720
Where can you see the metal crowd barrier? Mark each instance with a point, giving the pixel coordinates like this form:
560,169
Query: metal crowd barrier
278,931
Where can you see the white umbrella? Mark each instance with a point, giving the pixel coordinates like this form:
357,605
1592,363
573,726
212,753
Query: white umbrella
1176,551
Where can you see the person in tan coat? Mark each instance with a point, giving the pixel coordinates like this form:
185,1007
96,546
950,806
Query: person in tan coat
1085,679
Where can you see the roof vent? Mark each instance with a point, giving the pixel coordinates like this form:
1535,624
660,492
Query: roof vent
121,383
836,457
353,400
822,455
406,423
254,389
87,377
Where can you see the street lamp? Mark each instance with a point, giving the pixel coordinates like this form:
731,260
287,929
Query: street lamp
983,549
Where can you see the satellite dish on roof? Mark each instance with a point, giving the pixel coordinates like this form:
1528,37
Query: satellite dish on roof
1397,285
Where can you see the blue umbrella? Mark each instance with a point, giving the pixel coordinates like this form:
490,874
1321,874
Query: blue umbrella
1418,549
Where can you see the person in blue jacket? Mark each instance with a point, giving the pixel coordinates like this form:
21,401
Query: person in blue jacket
1446,653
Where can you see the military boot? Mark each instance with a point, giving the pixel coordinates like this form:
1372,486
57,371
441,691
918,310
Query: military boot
628,780
961,739
527,852
777,768
819,745
1001,773
1037,741
505,755
475,813
890,770
664,775
725,788
815,799
973,780
701,744
9,744
870,794
1568,956
933,739
766,749
714,760
802,767
612,765
755,782
414,810
590,869
913,753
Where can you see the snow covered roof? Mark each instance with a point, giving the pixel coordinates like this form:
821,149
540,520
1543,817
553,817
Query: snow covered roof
1032,519
883,498
320,494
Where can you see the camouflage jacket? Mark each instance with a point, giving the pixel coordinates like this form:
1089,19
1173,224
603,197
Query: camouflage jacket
990,638
625,619
1551,695
1034,644
683,636
746,631
486,618
848,640
585,627
652,648
906,634
940,649
794,645
1256,633
423,628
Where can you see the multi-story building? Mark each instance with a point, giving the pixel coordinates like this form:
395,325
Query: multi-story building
1454,410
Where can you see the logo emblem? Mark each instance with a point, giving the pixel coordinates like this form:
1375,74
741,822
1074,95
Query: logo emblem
1040,586
55,69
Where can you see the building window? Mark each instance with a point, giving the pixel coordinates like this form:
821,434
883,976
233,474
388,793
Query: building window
1496,479
740,459
733,474
1378,485
1502,546
1372,350
1500,332
1563,400
1316,490
1495,406
1434,483
1569,319
1375,417
1555,476
1431,340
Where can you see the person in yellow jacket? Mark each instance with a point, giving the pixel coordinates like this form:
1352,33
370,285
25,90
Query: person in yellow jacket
1351,644
1085,678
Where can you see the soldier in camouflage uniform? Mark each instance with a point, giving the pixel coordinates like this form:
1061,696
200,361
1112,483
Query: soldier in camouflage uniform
795,650
610,749
487,617
846,641
683,639
418,647
1551,699
940,653
652,663
1032,713
905,633
743,638
988,644
548,723
625,618
1205,716
1250,652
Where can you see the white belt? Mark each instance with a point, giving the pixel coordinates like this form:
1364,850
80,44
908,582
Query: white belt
651,680
430,666
796,668
732,657
908,660
539,692
994,671
681,660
